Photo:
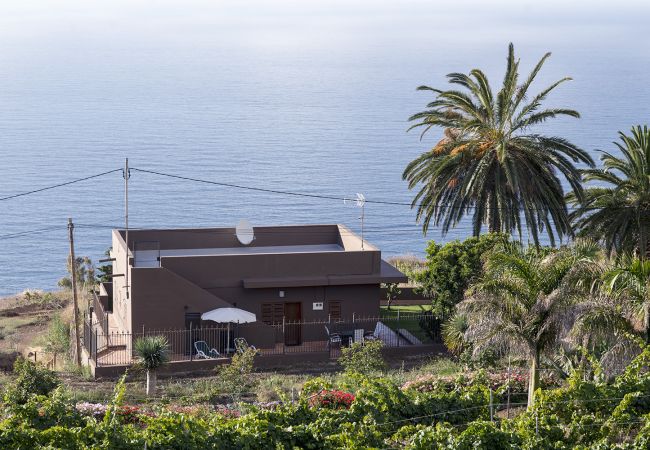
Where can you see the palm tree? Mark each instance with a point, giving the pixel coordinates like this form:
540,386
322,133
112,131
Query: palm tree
629,282
616,211
612,322
152,353
488,161
521,302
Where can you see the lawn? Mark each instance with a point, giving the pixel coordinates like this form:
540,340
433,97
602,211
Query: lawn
409,319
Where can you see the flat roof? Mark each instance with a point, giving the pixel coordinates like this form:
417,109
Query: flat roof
149,258
223,241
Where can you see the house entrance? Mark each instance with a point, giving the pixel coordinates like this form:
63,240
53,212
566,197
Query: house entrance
293,316
192,322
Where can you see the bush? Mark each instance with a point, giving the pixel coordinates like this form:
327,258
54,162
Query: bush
236,378
363,357
31,379
332,400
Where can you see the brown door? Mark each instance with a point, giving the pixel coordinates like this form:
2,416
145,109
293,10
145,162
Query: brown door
292,331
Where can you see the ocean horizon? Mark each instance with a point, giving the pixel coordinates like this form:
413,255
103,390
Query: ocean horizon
309,98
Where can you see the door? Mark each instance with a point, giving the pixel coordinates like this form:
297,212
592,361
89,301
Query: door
193,326
292,317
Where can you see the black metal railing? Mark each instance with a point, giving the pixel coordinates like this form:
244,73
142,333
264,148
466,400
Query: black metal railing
406,330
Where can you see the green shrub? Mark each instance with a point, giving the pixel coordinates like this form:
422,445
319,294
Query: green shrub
363,357
31,379
236,378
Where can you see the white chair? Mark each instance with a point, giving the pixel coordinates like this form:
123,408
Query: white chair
204,351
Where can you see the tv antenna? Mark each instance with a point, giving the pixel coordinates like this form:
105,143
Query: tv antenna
245,233
360,202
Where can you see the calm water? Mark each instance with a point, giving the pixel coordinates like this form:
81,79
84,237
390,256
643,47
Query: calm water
293,97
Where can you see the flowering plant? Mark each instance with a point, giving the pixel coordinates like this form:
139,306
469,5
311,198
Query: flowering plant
332,399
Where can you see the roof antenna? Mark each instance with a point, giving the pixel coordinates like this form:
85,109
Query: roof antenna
360,202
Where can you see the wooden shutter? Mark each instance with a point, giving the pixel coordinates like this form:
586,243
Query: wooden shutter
334,310
272,313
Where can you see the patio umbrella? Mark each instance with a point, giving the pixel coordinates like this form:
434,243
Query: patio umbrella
229,315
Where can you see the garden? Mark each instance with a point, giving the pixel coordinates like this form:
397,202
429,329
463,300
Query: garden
365,408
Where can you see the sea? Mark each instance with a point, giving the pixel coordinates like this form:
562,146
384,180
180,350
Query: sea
307,97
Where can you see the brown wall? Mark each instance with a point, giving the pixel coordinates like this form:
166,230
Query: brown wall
225,237
229,270
161,298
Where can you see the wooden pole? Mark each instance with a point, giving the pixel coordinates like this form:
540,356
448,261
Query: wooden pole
75,306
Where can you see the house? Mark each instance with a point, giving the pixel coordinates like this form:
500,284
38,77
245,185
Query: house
287,274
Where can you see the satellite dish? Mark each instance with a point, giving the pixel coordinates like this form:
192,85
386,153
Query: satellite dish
244,231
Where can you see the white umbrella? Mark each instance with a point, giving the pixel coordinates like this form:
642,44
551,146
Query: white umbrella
229,315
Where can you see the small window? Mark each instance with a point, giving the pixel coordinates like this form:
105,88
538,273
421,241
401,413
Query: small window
272,313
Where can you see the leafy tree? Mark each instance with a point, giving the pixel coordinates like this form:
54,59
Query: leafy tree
57,337
392,292
363,357
615,210
152,353
105,270
85,274
30,379
522,300
451,268
236,378
489,164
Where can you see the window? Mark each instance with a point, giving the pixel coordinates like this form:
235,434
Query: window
272,313
334,310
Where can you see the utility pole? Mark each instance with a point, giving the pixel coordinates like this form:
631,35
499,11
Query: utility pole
127,175
73,274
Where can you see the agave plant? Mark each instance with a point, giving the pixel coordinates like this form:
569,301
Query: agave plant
152,352
489,164
616,209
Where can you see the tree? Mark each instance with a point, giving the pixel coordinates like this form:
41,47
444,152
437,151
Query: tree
57,338
236,378
85,274
392,292
616,210
522,300
629,282
450,268
489,163
152,352
105,270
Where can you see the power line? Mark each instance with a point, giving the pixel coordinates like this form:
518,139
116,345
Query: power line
286,193
339,198
25,233
58,185
258,189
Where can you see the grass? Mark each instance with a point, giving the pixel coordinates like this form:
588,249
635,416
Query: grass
267,386
9,325
407,322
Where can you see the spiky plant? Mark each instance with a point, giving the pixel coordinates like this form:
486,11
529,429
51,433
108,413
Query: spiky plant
453,333
152,352
616,208
489,164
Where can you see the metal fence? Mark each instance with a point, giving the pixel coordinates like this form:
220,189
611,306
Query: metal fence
406,330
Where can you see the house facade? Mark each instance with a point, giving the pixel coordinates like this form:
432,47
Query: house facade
166,279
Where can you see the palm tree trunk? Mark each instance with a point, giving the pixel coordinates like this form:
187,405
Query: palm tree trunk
152,378
533,378
646,321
